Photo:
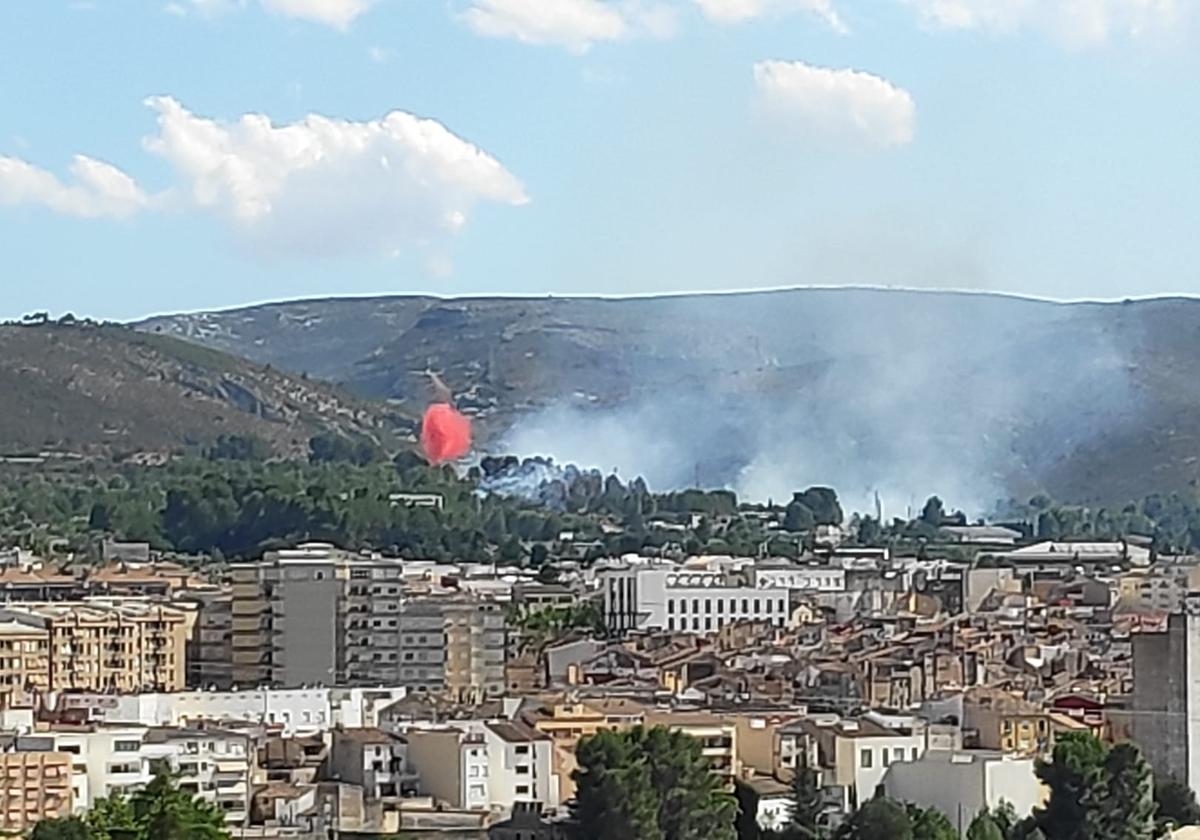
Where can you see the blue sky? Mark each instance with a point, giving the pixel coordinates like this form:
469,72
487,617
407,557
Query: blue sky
1043,147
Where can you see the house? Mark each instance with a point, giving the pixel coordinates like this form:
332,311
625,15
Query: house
961,784
371,759
520,765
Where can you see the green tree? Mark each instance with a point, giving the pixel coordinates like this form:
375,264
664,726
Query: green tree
797,517
1176,803
823,502
1119,804
1069,774
983,827
808,805
934,512
65,828
930,824
159,811
648,784
878,819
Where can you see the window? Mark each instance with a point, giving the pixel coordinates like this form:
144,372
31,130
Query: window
1042,727
522,769
683,605
914,753
695,624
708,605
757,606
865,758
708,623
670,605
523,749
318,576
897,753
886,756
695,605
745,606
126,746
670,624
782,608
720,605
522,790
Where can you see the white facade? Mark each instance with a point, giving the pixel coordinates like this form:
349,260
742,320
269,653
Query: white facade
655,596
864,759
961,784
212,764
801,579
519,770
451,765
293,711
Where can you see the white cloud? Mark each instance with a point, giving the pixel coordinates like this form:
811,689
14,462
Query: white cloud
379,55
836,104
326,185
100,190
739,11
336,13
573,24
1078,23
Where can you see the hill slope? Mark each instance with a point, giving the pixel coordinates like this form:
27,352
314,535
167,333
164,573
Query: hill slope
112,390
902,393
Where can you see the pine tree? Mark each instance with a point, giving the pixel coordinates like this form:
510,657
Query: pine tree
648,784
807,804
1069,774
1120,803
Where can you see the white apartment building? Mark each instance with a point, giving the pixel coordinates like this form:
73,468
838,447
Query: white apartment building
520,765
652,595
213,764
292,711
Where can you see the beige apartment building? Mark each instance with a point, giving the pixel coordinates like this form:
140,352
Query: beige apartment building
34,786
99,644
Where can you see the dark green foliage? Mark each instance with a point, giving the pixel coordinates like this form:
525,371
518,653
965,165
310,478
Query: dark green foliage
67,828
238,448
808,805
648,784
878,819
1176,803
332,447
159,811
1120,802
930,824
984,827
1069,774
823,502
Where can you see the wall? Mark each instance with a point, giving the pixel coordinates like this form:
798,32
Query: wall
960,785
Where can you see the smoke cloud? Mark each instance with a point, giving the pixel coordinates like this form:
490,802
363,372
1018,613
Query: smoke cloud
974,398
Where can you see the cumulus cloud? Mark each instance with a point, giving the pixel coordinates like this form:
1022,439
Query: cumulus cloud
573,24
1076,22
319,185
835,104
99,190
336,13
331,185
738,11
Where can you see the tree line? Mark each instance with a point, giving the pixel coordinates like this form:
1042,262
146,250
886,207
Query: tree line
656,784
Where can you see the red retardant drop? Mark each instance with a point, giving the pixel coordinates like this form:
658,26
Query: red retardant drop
445,434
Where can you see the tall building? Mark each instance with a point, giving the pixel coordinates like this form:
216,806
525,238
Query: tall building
99,644
453,645
1166,695
315,615
210,645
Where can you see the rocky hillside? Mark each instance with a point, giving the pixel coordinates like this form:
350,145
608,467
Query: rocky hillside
976,397
101,390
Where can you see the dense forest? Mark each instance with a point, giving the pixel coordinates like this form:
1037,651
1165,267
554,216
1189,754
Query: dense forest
233,501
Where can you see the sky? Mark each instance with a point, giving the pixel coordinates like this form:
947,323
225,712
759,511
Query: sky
169,155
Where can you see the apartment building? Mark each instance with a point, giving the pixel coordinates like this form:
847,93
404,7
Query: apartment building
372,759
24,661
315,615
451,764
99,644
453,645
210,644
35,785
217,765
